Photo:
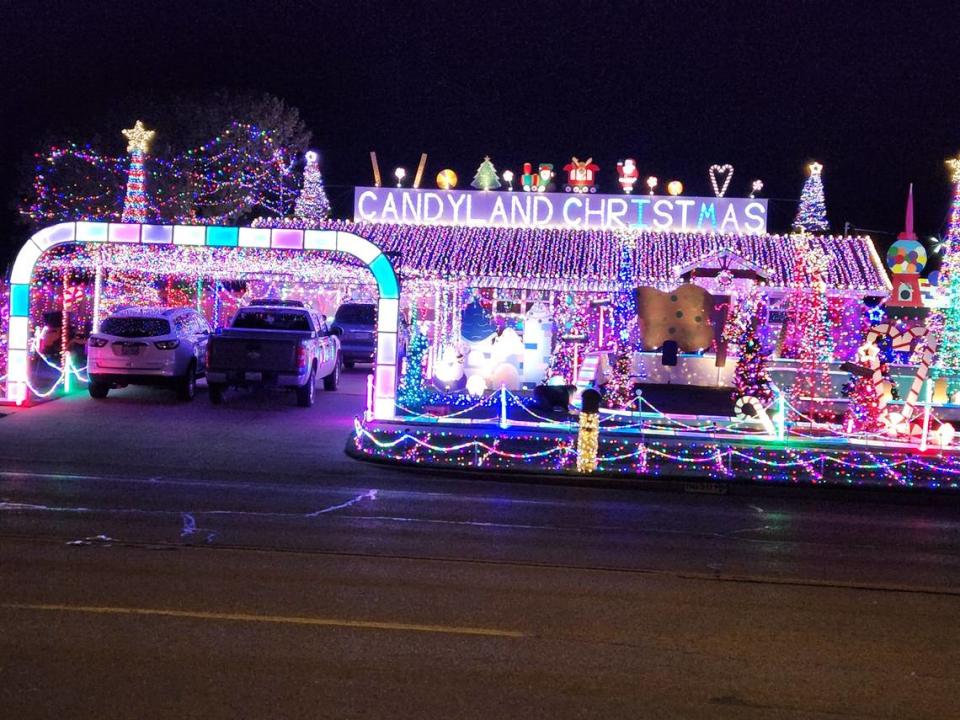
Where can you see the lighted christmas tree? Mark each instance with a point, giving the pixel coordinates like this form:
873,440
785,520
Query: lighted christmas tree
619,389
953,222
411,393
312,206
486,177
570,337
751,377
812,213
135,200
948,356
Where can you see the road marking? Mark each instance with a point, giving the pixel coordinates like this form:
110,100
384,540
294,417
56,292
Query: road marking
277,619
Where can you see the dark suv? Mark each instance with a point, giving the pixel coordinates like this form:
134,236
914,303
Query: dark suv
356,324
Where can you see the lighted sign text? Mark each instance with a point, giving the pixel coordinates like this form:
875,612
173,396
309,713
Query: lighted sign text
523,209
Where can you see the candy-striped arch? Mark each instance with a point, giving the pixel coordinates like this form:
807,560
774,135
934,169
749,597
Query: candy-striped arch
385,367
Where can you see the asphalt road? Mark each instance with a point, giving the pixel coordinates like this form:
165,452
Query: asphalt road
168,560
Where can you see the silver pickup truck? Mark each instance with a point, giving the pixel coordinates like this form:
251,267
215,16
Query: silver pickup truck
274,343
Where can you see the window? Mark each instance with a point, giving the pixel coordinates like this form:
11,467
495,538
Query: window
508,301
272,320
135,327
357,314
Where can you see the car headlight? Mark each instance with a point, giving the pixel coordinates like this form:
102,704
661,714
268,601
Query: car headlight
97,342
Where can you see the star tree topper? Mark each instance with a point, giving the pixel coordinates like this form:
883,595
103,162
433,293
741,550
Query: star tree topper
815,168
139,137
954,165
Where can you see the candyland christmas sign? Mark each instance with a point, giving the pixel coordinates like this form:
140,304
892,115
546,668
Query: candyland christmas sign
560,210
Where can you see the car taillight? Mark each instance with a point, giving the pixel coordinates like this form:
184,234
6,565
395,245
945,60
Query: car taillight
167,344
97,342
301,356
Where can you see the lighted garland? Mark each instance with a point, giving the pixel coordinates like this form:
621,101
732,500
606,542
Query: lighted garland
669,458
240,169
590,259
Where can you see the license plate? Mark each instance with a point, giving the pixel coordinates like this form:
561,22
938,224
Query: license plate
253,376
130,350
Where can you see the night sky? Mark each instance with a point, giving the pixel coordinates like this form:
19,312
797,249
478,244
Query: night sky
871,93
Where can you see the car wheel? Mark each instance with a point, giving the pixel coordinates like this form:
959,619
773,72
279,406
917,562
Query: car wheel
188,385
331,381
98,390
307,391
216,391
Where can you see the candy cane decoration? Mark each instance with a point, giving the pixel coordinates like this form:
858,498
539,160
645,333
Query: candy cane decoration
902,340
757,413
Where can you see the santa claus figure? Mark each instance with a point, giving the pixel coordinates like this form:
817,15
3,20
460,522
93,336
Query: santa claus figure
628,174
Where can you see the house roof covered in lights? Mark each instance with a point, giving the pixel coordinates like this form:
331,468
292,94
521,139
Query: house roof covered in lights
588,259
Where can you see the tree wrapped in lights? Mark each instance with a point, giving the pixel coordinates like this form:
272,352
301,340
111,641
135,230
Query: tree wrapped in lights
312,206
570,337
814,347
619,389
411,392
812,213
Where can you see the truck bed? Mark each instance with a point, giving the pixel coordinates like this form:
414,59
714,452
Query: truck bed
255,350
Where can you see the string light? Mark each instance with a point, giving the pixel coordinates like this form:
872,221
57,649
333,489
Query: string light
812,212
242,168
725,169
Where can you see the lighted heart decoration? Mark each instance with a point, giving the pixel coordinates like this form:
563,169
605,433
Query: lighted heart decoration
724,171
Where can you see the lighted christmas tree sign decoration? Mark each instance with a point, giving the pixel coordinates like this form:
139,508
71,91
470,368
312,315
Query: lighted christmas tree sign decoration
812,212
486,177
312,206
135,200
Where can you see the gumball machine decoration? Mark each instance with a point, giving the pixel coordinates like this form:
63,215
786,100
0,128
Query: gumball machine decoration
906,260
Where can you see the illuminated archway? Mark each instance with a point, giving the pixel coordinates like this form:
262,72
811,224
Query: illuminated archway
385,365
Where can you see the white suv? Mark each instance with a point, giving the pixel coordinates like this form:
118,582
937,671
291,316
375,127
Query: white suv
148,346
